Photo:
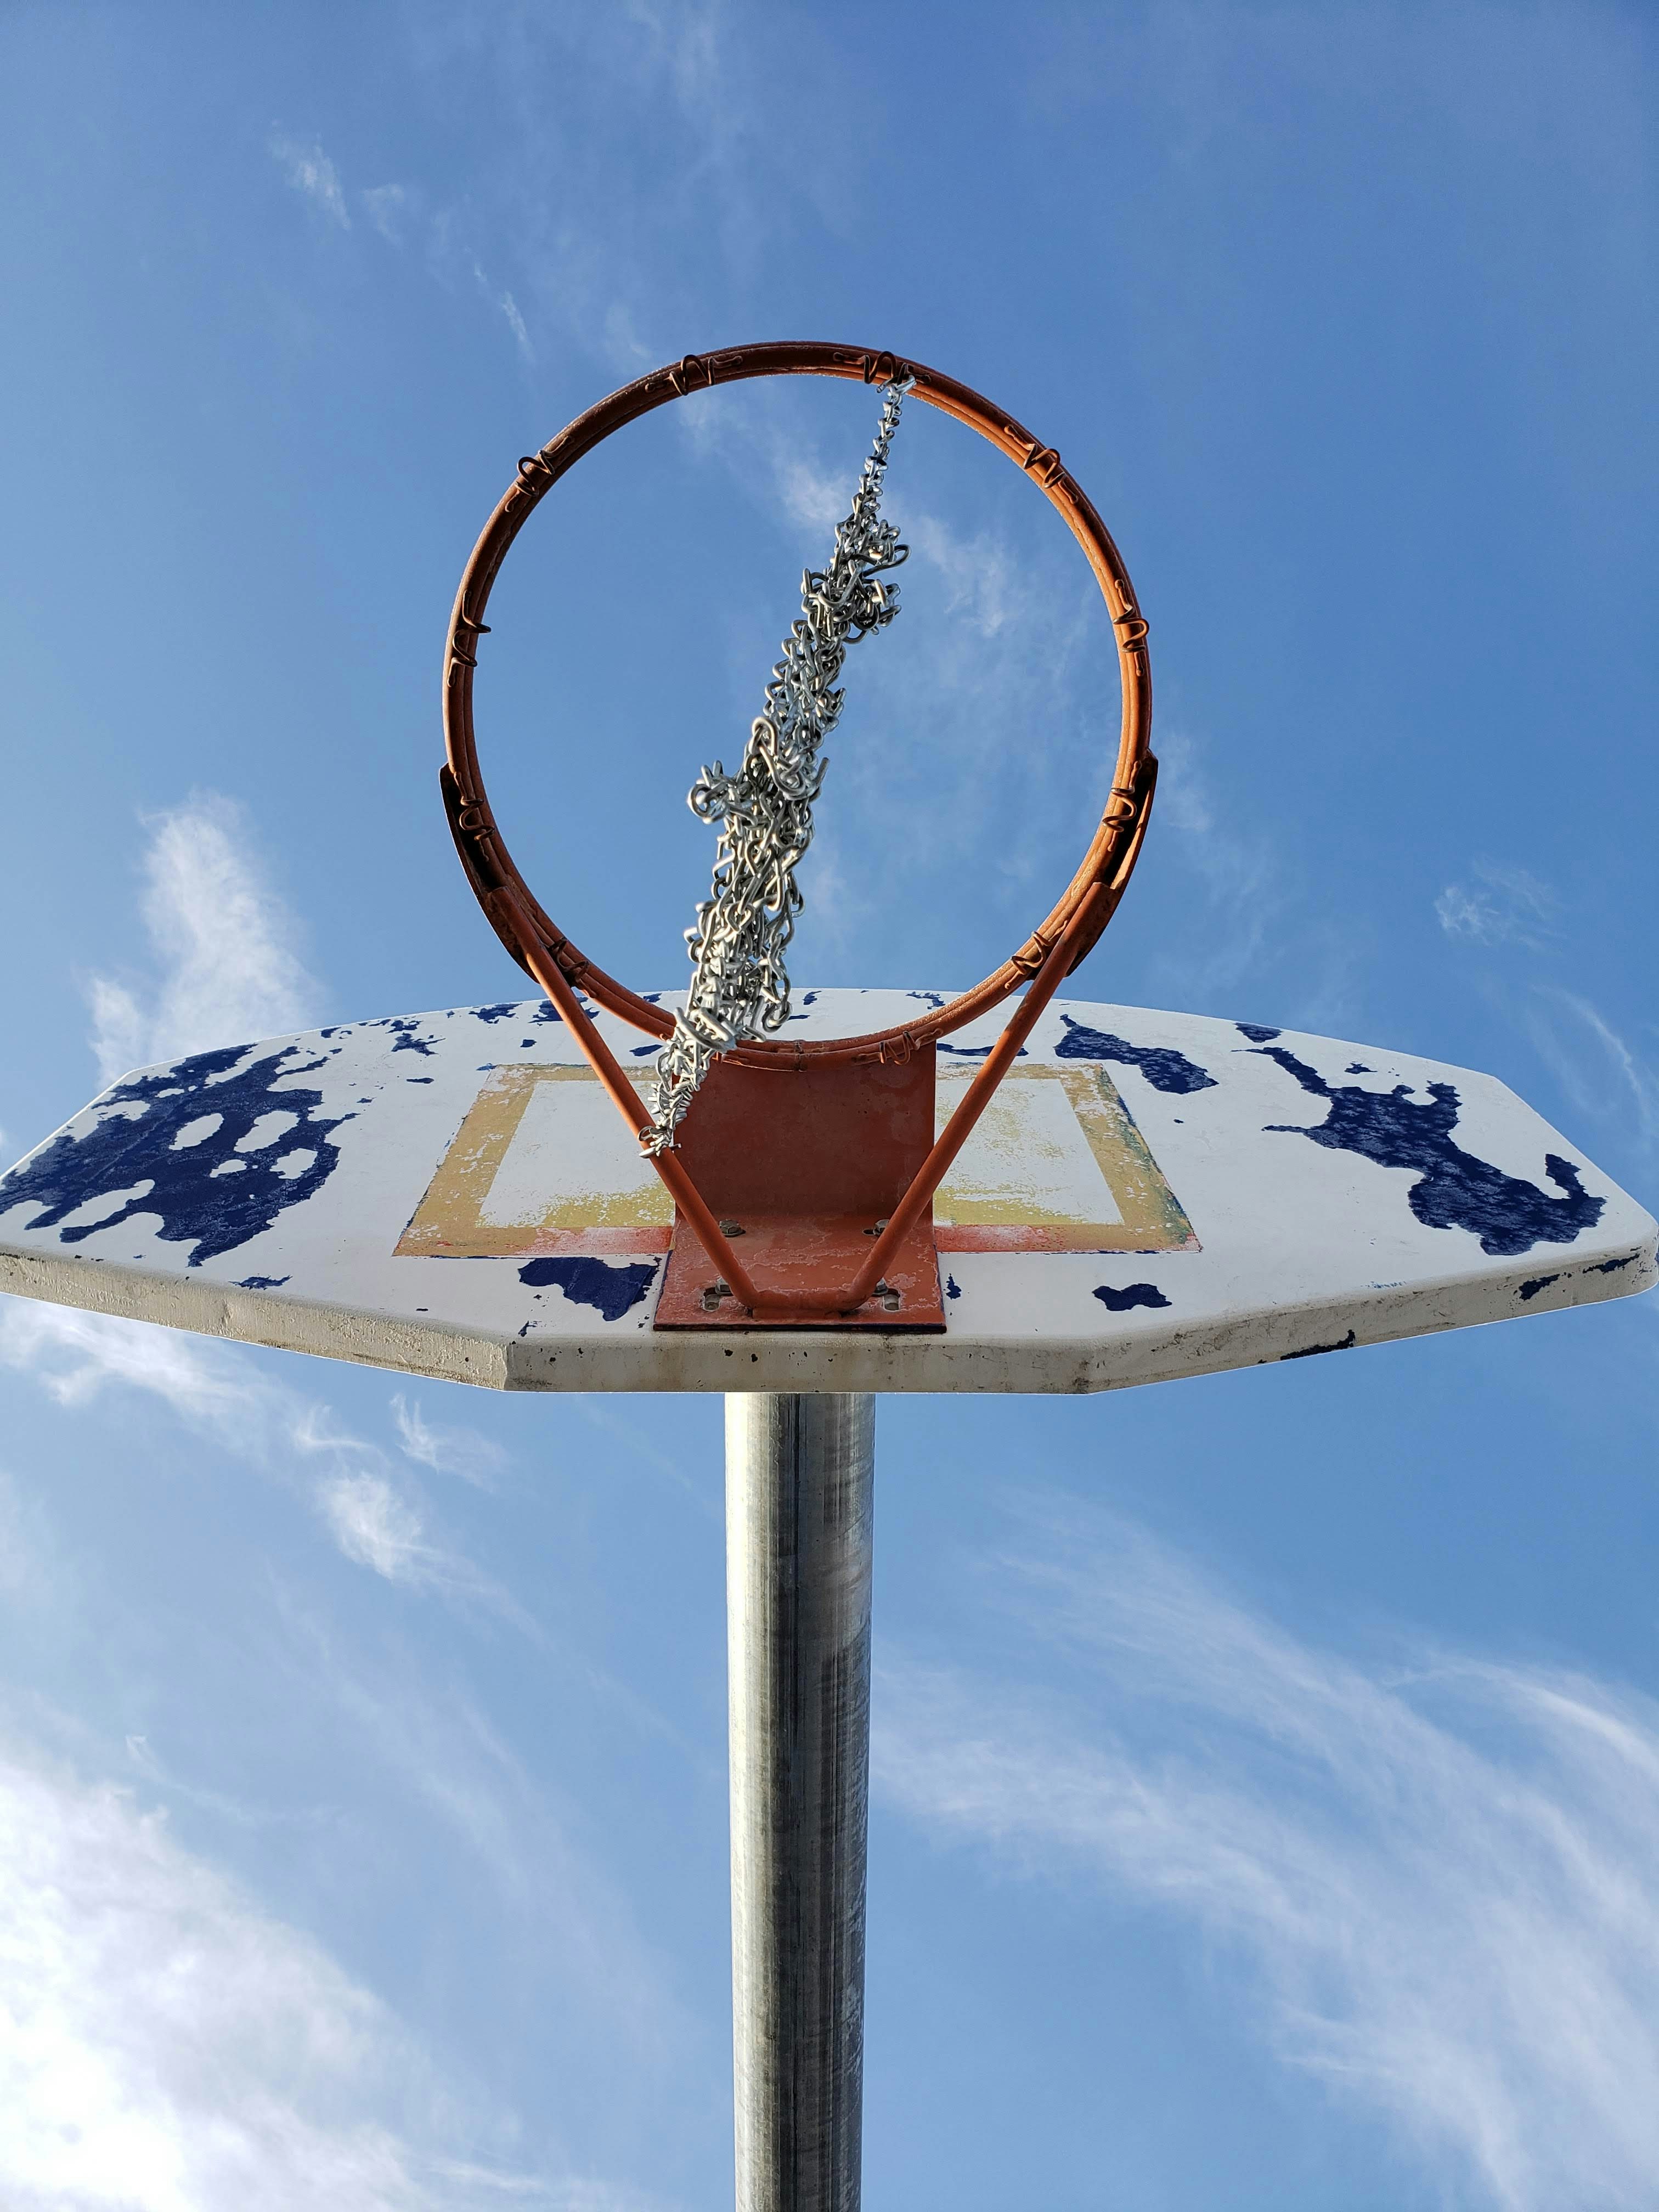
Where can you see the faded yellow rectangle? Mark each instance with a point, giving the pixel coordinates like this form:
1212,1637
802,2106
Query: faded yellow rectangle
622,1207
969,1217
626,1204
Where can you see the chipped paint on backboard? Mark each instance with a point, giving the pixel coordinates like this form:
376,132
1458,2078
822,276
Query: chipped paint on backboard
210,1150
1345,1194
1457,1189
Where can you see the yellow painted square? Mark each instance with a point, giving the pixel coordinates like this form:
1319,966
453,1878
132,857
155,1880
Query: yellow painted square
544,1162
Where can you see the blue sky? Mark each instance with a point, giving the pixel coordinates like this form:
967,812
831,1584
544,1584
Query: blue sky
1267,1768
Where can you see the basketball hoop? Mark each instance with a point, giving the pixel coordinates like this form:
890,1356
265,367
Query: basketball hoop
427,1194
828,1174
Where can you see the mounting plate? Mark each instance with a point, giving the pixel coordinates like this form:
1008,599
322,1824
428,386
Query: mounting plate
804,1163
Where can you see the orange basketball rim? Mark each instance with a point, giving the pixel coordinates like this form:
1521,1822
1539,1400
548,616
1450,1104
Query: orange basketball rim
817,1158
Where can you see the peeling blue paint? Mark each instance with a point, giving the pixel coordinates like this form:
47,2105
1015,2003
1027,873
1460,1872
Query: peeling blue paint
1456,1190
547,1012
497,1013
1612,1266
1256,1033
405,1039
1529,1291
1164,1068
262,1282
952,1288
1135,1294
186,1144
609,1287
975,1051
1312,1351
1358,1067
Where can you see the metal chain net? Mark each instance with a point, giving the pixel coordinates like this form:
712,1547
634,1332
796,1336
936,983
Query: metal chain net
740,986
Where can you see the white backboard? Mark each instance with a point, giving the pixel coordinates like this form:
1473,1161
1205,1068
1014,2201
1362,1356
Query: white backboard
1150,1195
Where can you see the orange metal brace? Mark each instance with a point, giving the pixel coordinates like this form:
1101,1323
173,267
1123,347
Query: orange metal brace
605,1064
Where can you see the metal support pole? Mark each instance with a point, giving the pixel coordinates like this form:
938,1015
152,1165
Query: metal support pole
799,1494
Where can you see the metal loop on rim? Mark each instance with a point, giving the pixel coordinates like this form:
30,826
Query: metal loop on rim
507,901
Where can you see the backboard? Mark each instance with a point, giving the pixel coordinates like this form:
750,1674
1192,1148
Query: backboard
1149,1195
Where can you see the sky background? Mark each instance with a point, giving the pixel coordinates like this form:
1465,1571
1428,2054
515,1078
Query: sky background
1266,1767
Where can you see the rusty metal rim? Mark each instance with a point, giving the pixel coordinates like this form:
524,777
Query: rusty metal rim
501,889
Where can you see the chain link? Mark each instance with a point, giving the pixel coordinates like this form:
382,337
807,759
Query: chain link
739,985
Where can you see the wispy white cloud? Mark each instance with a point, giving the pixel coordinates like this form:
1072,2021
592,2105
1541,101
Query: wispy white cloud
378,1523
1443,1875
510,306
398,211
566,236
590,230
75,1356
147,1763
1604,1075
1234,862
164,2043
622,344
26,1569
375,1521
445,1752
1611,1076
1244,920
446,1448
223,949
1502,906
982,581
312,1428
1236,867
375,1526
388,207
171,2043
309,170
599,1411
515,323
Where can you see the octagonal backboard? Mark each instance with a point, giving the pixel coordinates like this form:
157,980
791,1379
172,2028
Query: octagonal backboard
1150,1195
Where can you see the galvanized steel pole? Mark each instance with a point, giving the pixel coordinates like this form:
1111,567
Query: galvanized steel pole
799,1495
